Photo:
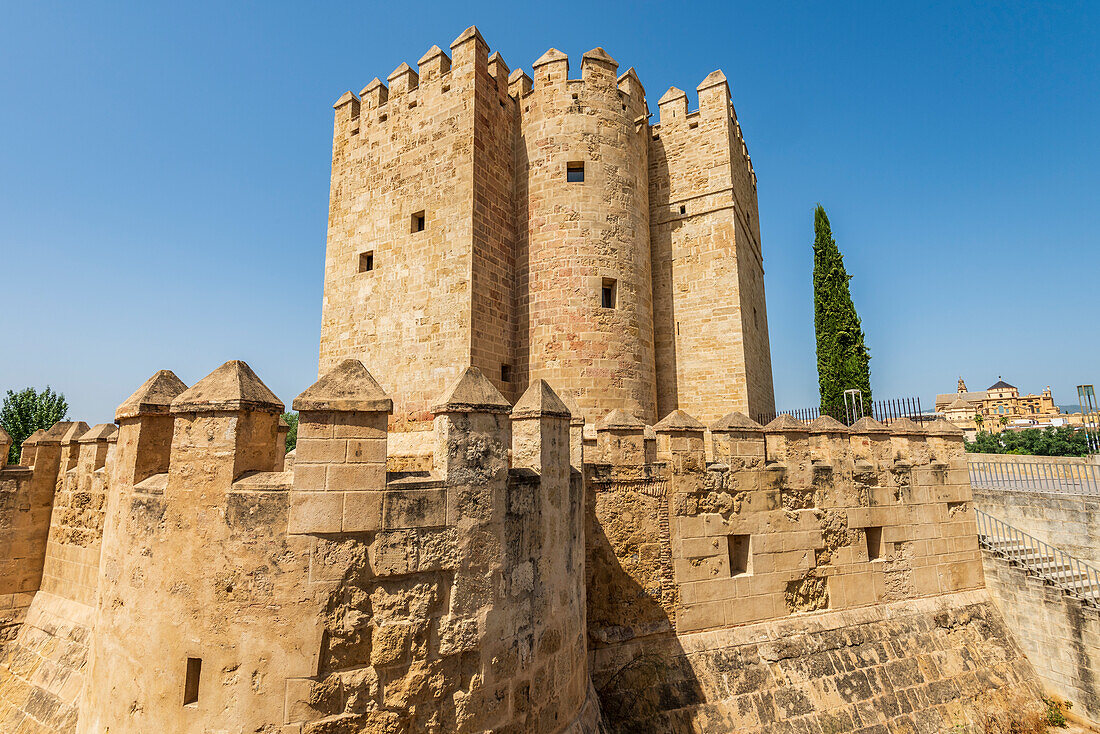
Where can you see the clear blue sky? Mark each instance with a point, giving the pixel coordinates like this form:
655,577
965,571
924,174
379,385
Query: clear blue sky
164,175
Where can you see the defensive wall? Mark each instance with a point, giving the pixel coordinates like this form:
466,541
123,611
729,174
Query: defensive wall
1059,634
1054,500
809,576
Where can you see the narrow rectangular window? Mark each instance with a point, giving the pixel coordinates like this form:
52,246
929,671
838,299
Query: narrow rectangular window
683,209
418,222
607,293
574,171
366,261
191,685
874,543
740,554
506,373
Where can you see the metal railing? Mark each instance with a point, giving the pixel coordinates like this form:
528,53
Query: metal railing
884,411
1035,475
1071,574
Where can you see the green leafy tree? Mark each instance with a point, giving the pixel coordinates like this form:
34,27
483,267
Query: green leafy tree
979,419
291,435
1061,441
26,411
843,361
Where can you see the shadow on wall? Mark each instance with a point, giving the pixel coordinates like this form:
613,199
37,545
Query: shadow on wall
631,597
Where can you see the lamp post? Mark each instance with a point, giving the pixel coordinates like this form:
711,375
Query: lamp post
1086,399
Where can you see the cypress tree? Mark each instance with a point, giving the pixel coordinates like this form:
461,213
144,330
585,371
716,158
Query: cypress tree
842,357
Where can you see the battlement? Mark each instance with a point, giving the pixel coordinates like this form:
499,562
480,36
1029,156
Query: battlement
715,107
424,88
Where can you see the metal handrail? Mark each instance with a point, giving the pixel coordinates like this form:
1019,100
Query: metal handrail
1035,475
1071,574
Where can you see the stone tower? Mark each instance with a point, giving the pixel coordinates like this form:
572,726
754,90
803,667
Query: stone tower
544,229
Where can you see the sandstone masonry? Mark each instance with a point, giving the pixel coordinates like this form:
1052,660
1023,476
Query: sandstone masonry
543,228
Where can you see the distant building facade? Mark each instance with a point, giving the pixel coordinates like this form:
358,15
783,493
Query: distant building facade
999,407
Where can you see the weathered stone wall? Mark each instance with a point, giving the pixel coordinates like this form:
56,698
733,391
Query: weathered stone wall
929,665
709,312
580,235
791,530
1065,520
1059,634
509,271
330,597
26,501
397,151
71,568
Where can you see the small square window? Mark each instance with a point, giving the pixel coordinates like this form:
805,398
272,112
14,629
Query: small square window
874,543
740,551
418,222
608,293
506,373
366,261
574,172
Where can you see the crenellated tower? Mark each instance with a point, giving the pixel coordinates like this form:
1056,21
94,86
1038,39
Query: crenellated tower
542,228
585,304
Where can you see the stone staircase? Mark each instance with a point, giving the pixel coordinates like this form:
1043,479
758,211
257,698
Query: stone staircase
1062,570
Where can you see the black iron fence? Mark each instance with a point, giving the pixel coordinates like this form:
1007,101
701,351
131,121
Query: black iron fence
884,411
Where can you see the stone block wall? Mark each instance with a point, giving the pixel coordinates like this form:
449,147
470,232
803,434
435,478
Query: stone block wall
26,502
1066,520
802,579
71,568
332,597
788,519
507,269
936,664
710,317
1059,634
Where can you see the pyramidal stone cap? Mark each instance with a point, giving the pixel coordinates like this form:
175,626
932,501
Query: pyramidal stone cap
619,420
551,55
75,431
735,422
56,433
598,54
374,83
430,54
344,99
577,417
678,420
941,427
154,397
98,432
714,78
471,392
402,70
868,424
35,437
231,387
671,94
347,387
538,400
904,426
786,423
466,35
827,424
